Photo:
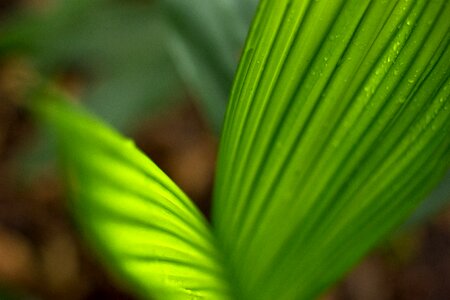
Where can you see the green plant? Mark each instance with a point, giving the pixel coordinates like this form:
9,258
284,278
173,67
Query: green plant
338,125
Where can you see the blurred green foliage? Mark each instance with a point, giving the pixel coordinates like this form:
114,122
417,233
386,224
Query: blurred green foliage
118,46
205,41
132,55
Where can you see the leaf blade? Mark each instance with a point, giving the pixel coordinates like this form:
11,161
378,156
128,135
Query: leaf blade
335,105
142,224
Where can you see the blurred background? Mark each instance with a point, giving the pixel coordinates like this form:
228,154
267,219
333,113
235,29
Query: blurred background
160,72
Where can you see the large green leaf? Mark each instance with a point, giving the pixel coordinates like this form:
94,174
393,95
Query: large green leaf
338,125
138,219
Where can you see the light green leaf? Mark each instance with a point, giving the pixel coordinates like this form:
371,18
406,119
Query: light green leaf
140,222
338,125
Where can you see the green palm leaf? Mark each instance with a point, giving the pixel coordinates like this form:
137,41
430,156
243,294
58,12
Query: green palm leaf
138,219
336,128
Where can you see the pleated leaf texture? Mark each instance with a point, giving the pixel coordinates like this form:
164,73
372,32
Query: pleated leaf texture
143,226
337,127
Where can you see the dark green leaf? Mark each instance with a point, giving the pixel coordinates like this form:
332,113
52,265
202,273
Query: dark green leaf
119,46
205,39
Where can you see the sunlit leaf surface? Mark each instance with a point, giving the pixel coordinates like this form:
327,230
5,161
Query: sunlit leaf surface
141,223
338,126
